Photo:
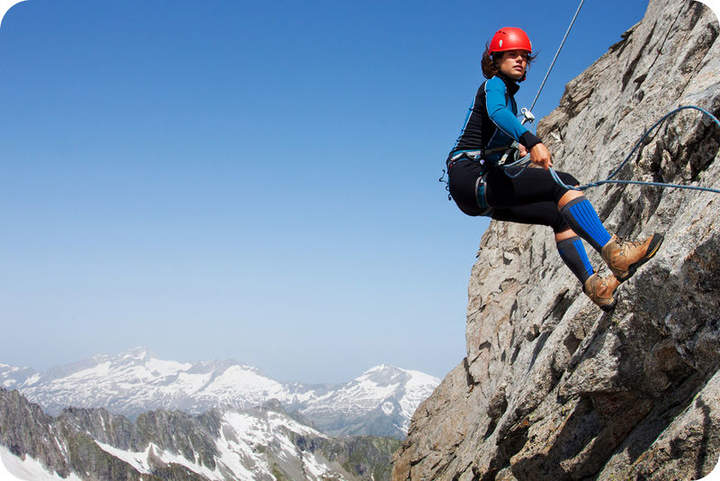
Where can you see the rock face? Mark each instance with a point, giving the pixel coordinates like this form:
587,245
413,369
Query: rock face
253,445
552,388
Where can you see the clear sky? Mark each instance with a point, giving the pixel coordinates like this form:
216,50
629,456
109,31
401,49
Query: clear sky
251,180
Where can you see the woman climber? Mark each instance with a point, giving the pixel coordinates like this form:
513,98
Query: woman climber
480,186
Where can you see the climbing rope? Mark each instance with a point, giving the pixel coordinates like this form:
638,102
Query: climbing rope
523,163
527,113
552,64
610,180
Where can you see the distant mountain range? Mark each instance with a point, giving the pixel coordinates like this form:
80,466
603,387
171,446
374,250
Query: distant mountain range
262,444
380,402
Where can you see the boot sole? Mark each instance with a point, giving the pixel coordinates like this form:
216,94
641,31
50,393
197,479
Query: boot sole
651,251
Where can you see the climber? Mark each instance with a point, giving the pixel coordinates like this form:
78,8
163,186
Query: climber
480,186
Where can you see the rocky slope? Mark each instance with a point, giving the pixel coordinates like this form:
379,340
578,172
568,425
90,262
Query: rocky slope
552,388
252,445
379,402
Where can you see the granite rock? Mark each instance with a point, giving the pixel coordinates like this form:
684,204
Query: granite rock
553,388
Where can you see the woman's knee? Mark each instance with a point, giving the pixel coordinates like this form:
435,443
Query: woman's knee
560,225
568,179
563,194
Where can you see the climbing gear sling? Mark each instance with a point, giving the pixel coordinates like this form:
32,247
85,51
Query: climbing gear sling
478,156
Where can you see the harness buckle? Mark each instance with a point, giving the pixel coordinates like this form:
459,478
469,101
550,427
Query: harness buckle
474,155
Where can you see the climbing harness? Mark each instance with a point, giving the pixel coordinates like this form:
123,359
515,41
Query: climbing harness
522,163
520,38
481,195
476,155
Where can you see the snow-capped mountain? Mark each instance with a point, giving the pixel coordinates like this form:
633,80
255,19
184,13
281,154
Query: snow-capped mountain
11,377
136,381
230,445
379,402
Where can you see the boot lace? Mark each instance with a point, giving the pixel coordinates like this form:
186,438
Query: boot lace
624,244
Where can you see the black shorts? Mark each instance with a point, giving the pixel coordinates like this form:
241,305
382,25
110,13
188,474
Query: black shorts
531,198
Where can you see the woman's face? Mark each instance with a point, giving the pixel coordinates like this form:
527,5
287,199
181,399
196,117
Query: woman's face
513,64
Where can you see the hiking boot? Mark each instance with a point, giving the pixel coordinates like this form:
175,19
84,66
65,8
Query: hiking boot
600,291
624,257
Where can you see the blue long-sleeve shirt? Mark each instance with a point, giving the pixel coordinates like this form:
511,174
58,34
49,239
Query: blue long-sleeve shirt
492,120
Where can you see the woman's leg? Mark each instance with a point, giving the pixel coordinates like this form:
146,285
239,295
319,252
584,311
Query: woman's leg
569,245
572,252
513,198
533,185
623,257
600,290
579,213
537,185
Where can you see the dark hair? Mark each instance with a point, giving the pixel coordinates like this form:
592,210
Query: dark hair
489,63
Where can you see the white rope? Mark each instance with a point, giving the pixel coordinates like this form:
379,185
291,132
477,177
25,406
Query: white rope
557,54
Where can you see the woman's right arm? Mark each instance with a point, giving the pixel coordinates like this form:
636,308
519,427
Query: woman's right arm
540,155
505,120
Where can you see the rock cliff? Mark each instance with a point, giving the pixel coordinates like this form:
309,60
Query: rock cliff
552,388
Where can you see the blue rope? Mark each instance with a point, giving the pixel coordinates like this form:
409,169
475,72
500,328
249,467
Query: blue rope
522,163
609,180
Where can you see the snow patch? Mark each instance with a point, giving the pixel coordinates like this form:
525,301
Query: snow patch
134,459
99,371
166,368
12,468
315,467
141,460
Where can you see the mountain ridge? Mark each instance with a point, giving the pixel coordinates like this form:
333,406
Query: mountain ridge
136,381
261,444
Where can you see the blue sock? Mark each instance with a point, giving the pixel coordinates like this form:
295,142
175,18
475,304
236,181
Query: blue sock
583,219
573,254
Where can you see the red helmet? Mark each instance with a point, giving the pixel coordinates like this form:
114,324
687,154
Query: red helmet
510,38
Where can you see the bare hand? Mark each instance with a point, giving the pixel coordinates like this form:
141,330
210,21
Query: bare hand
540,155
522,151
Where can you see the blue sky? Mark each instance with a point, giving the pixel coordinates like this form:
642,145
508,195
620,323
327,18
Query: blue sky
251,180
